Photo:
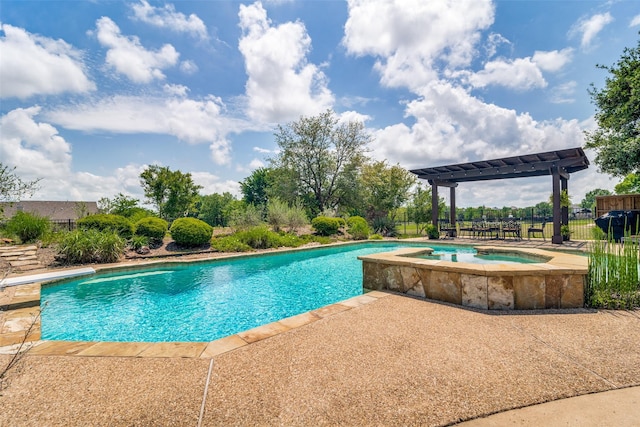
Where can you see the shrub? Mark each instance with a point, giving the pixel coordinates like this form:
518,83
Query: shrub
375,237
91,245
28,227
251,216
432,231
190,232
385,226
137,242
358,228
153,228
277,212
229,244
297,217
327,226
105,222
259,237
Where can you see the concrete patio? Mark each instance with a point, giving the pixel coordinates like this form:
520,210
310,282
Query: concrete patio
394,361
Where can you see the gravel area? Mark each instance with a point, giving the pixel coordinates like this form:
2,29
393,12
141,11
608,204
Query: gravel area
395,361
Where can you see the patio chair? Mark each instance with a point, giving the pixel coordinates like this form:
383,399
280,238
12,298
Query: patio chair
533,230
513,228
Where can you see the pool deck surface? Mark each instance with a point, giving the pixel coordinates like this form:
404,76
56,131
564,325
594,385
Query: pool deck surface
386,359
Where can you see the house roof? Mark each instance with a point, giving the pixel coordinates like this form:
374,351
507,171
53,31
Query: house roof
528,165
53,210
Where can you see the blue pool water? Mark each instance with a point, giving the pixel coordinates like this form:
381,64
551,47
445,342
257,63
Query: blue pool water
205,301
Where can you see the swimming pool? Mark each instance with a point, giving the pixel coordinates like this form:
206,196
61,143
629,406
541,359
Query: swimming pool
206,300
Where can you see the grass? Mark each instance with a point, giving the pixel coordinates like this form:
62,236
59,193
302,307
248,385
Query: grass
581,229
612,279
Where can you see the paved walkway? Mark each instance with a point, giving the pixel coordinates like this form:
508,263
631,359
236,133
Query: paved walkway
394,361
20,257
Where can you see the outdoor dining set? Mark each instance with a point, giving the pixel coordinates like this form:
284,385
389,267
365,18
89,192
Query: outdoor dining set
484,229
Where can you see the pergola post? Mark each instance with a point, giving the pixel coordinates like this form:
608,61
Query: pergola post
434,203
557,237
452,214
564,186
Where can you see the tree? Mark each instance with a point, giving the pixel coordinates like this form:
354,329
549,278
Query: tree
384,188
589,201
318,151
255,187
215,209
12,187
173,193
629,185
617,139
120,205
419,209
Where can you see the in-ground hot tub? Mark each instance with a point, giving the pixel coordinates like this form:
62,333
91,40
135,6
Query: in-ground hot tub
557,280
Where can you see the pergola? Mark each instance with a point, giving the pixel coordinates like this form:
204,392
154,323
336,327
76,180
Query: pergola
559,164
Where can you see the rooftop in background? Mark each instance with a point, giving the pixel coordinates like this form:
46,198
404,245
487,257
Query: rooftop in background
51,209
539,164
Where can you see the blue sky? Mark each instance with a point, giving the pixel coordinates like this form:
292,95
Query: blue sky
94,91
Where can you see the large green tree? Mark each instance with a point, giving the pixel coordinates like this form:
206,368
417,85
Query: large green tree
384,188
317,152
629,185
617,138
589,201
255,187
173,193
216,209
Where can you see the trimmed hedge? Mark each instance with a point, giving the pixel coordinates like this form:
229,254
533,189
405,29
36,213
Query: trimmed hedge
190,232
327,226
153,228
106,222
358,228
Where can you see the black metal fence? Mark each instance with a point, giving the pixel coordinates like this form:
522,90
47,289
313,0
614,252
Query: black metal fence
64,224
532,223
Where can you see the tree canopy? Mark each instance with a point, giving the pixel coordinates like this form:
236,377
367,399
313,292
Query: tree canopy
318,151
617,139
172,192
629,185
589,201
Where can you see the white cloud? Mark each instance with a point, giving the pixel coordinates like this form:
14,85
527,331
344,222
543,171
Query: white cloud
519,74
281,84
176,90
588,28
553,60
212,184
256,164
494,41
563,93
451,126
31,146
167,17
635,21
127,55
410,37
36,65
262,150
189,120
188,67
353,116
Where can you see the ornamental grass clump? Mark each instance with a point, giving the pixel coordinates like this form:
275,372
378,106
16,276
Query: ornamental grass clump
28,227
612,279
89,246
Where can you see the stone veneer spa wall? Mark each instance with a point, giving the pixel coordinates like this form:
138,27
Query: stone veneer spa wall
557,281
